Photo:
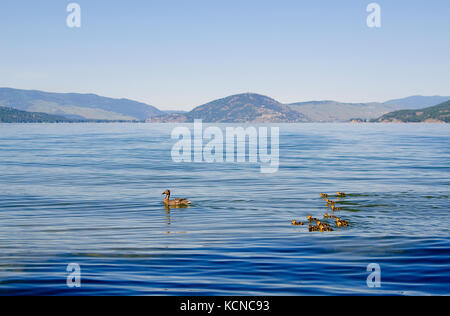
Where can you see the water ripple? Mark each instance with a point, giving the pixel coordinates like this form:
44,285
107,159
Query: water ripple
91,194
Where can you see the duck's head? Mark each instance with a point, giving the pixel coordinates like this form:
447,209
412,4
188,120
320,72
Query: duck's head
167,192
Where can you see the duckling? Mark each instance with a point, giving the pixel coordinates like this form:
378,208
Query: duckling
341,194
334,208
326,216
295,223
314,228
319,223
312,219
341,223
324,228
174,202
323,195
330,202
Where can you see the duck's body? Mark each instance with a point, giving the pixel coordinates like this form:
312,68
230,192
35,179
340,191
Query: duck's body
175,202
323,195
325,228
295,223
312,219
341,194
323,224
320,228
341,223
334,208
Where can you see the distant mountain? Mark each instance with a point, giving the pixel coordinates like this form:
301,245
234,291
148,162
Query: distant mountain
76,106
246,108
9,115
241,108
418,101
332,111
435,114
255,108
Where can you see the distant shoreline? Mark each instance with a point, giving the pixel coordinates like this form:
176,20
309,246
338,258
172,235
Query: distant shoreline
34,106
223,123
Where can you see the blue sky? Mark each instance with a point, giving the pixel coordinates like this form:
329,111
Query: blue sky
177,54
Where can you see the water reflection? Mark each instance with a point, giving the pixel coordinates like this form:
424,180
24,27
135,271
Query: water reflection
168,210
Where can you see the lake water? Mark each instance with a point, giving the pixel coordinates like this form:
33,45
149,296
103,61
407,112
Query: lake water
90,194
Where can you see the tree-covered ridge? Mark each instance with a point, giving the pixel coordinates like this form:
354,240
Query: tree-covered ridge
76,106
9,115
438,113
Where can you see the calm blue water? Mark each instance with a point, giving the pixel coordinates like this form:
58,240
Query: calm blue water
91,195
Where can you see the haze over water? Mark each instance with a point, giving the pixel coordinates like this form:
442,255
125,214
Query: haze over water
91,194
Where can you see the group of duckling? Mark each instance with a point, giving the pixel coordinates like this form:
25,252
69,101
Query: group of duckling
322,226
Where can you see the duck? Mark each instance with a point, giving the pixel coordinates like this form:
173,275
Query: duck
329,202
175,202
341,194
314,228
323,195
295,223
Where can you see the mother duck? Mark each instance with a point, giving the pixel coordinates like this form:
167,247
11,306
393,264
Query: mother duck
174,202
